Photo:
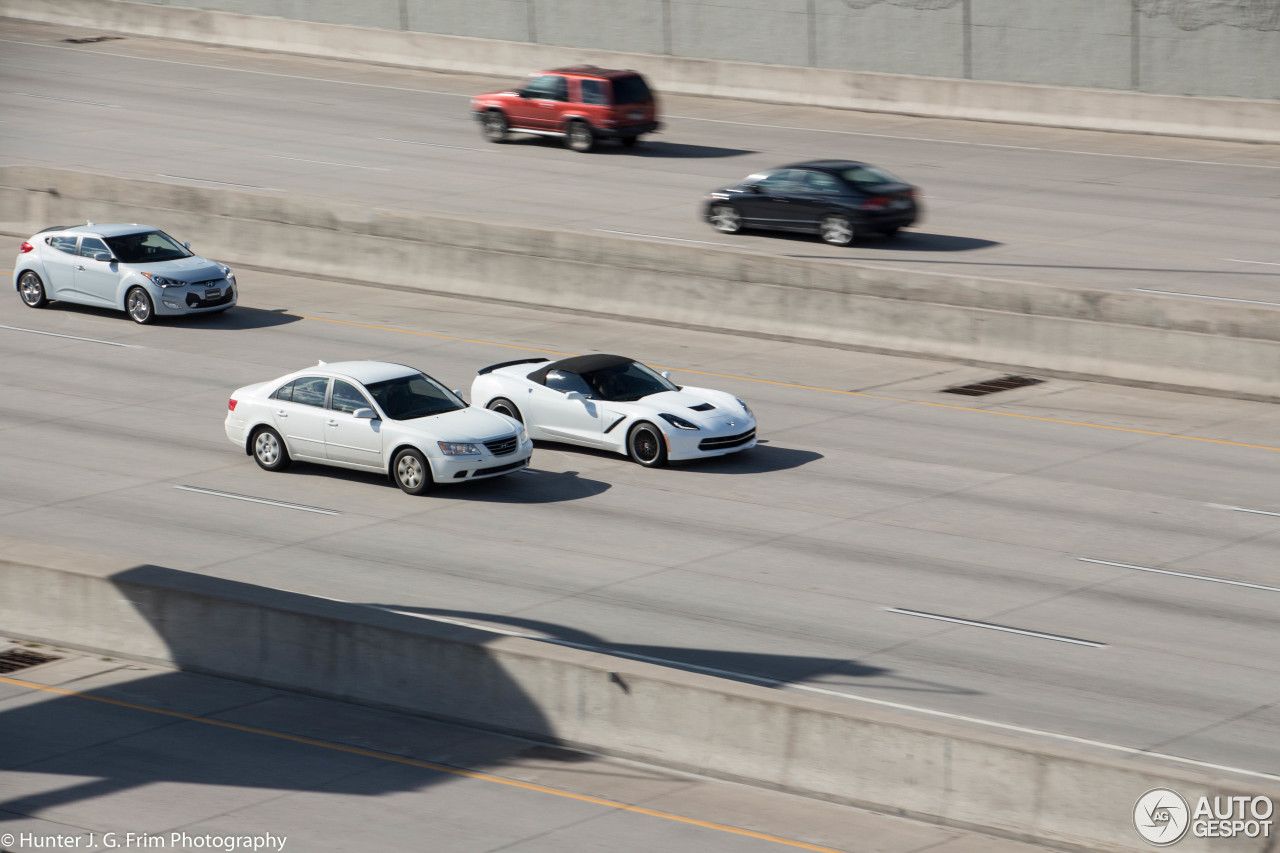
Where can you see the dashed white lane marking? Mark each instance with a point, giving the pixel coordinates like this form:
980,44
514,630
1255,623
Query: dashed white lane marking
1203,296
267,501
991,626
1188,575
65,100
328,163
70,337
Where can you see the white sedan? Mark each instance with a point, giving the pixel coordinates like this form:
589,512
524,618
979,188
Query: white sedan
617,404
375,416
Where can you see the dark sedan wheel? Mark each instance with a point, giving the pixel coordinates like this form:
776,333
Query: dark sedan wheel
890,232
411,472
32,290
138,303
646,445
494,126
725,218
579,137
629,141
836,229
503,406
269,450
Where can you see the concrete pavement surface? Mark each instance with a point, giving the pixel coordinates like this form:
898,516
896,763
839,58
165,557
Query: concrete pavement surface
1096,210
1116,547
105,754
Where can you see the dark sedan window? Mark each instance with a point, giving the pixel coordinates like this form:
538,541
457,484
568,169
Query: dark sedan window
415,396
868,176
631,90
780,182
627,382
821,182
147,247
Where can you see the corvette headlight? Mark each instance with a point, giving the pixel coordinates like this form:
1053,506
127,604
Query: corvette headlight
450,448
161,281
677,422
745,407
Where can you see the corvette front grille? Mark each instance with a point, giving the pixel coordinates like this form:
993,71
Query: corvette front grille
503,446
727,441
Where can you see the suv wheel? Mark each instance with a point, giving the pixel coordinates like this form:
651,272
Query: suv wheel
494,126
579,136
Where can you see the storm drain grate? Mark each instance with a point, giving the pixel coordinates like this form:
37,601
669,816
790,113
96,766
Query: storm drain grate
94,39
1004,383
16,659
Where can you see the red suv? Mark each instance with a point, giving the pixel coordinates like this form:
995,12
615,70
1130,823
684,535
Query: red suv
580,104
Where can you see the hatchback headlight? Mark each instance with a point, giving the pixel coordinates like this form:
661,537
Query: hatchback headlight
677,422
161,281
226,272
450,448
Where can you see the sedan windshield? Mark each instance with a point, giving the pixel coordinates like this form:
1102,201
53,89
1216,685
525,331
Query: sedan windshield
415,396
146,247
627,382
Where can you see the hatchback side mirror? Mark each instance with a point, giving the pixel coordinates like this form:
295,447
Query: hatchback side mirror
186,246
365,414
103,256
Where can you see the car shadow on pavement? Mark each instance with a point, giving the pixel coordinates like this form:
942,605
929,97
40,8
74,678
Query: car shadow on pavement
903,241
760,459
241,318
532,486
644,148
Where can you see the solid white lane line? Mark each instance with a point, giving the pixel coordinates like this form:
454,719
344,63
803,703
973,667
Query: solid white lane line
1264,263
1202,296
70,337
66,100
268,502
993,627
839,694
661,237
1185,574
327,163
219,183
429,144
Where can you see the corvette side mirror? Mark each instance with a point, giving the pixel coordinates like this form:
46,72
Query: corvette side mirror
666,374
573,395
365,414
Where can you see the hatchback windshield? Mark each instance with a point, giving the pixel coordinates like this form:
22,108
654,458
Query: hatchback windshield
631,90
415,396
624,382
146,247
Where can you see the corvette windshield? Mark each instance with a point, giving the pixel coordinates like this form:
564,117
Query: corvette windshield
415,396
627,382
146,247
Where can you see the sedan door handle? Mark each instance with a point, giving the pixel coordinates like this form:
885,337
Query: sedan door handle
80,268
281,413
333,423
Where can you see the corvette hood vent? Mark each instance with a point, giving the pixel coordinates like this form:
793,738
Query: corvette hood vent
701,407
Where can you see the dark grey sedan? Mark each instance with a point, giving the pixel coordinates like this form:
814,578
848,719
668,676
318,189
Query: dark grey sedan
835,199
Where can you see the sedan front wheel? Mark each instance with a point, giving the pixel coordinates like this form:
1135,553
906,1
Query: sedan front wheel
411,472
726,219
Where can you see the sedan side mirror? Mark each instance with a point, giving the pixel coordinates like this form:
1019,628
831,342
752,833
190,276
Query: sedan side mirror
753,188
365,414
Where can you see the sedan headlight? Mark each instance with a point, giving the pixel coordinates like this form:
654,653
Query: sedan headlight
745,407
522,435
161,281
677,422
450,448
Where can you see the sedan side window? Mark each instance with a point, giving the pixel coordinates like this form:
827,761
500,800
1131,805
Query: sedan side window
346,398
309,391
91,246
820,182
284,392
561,380
64,244
780,183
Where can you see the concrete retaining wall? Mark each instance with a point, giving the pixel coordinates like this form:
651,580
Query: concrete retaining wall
1246,61
1021,787
1223,348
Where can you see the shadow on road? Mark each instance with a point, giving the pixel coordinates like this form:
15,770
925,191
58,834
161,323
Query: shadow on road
758,460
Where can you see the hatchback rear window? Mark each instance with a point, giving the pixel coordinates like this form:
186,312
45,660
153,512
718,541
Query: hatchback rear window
631,90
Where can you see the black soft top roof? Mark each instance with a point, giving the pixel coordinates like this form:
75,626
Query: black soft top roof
579,364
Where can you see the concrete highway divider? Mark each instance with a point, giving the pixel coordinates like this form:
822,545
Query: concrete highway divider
1224,348
1020,786
1239,119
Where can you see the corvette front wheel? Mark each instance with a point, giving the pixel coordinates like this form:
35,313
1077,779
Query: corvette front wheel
646,445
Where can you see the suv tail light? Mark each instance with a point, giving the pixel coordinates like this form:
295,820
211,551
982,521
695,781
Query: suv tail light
26,247
231,404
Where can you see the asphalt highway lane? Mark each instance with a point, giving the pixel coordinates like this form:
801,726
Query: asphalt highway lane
1142,523
1097,210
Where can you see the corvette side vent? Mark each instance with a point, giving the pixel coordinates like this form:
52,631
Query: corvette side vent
701,407
16,659
1004,383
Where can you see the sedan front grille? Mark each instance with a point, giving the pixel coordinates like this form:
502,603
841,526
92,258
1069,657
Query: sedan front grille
503,446
727,441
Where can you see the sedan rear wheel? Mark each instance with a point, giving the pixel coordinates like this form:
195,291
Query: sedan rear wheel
836,229
725,218
494,126
269,450
411,472
646,445
503,406
32,290
138,303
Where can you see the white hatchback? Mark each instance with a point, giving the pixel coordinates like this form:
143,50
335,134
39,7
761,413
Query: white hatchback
375,416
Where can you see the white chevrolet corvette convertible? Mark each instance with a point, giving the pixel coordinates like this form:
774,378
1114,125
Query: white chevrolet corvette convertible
617,404
374,416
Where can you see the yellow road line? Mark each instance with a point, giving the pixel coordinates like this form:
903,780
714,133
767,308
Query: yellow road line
427,765
820,389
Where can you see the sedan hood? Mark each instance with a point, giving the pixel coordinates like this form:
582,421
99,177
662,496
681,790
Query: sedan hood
468,425
185,269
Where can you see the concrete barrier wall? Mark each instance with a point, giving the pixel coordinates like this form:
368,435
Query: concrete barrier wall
1224,348
1022,787
622,40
